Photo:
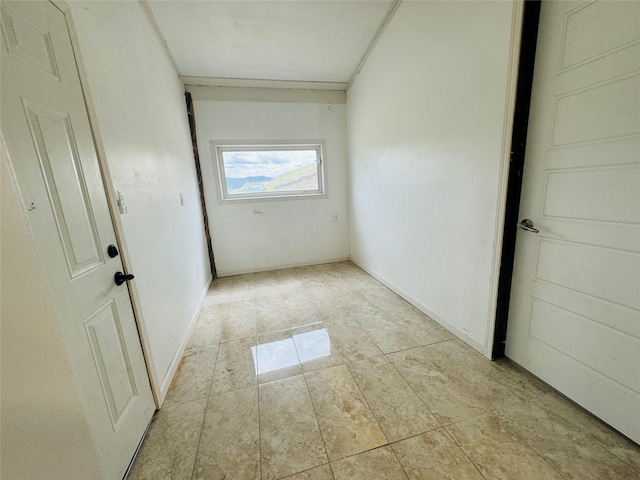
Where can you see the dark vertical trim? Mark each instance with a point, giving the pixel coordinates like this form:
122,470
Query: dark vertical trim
196,156
516,165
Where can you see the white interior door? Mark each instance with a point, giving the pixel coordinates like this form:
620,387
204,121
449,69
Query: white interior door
46,128
574,319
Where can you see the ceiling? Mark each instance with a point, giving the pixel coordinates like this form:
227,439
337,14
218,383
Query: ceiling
299,40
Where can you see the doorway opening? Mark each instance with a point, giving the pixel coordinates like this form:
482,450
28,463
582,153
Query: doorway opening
516,166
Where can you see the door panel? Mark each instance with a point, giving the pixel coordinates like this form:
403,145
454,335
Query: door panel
555,327
50,143
111,358
593,29
52,135
574,318
585,194
583,268
28,42
610,108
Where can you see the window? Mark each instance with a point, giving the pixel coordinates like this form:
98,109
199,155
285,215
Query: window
276,169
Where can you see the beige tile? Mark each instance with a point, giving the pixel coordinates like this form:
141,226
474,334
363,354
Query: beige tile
203,336
277,357
269,278
236,292
530,386
347,424
378,463
359,278
193,377
169,448
229,447
268,298
569,448
434,456
423,330
215,310
506,421
275,320
429,374
239,321
397,408
339,285
386,334
383,298
321,299
618,445
290,438
302,314
315,348
323,472
352,341
235,367
301,299
236,328
333,314
313,283
208,328
354,303
494,384
497,451
220,292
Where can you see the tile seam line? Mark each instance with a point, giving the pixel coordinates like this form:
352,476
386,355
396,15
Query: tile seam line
533,449
255,340
348,314
305,471
375,418
414,391
370,409
395,455
446,432
313,407
206,408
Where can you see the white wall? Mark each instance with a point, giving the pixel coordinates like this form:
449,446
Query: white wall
143,122
287,232
44,433
426,119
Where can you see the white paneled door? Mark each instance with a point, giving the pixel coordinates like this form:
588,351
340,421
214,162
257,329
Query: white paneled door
574,319
50,142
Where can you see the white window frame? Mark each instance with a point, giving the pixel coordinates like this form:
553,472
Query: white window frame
218,147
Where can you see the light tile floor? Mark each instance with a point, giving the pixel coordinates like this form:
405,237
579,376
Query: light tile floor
321,373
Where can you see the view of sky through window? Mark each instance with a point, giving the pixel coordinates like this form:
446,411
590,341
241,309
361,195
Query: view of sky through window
270,170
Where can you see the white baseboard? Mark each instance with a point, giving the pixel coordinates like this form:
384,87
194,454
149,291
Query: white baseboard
464,336
175,361
242,271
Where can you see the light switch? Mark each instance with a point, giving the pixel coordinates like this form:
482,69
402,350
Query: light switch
121,204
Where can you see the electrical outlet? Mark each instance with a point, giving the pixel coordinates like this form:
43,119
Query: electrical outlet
334,218
182,199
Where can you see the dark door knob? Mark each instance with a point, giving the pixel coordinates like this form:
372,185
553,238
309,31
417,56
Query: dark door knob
527,225
120,277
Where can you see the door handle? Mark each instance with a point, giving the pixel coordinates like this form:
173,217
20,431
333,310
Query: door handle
527,225
120,278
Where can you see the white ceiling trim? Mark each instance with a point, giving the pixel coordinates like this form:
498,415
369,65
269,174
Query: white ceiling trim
156,29
276,95
383,25
254,83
